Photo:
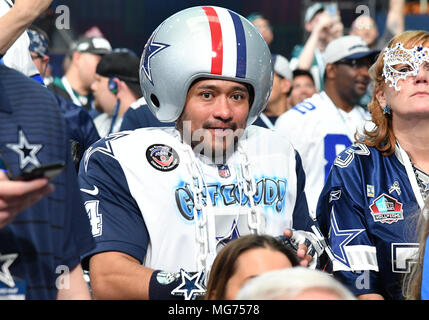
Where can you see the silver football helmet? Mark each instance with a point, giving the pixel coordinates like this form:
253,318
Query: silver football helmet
203,42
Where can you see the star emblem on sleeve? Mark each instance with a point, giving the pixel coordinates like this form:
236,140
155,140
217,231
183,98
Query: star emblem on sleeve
27,152
5,262
341,238
191,286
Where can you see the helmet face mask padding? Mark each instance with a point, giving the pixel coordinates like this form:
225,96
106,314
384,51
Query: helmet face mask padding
204,42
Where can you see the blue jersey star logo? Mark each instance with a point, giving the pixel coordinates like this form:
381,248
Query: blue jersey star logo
233,234
151,48
191,286
27,151
341,238
5,262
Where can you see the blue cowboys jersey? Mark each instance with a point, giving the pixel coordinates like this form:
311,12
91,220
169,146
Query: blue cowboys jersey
319,131
368,211
138,193
43,240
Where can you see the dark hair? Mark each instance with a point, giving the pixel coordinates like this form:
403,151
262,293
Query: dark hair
299,73
121,65
224,265
302,72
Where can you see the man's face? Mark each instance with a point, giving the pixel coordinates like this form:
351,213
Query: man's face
87,64
365,28
352,78
302,88
264,29
104,99
214,116
40,62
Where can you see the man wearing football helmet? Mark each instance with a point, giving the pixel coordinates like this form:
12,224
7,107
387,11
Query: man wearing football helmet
163,201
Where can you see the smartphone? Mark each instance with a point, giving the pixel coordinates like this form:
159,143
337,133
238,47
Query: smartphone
332,9
50,171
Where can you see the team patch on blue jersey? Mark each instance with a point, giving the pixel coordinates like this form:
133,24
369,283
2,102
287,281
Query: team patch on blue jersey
162,157
370,193
386,209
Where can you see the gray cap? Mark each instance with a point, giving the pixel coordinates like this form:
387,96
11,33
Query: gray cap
95,45
281,66
312,11
347,47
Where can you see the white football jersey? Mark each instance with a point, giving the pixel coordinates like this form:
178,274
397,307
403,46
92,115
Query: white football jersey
319,131
138,192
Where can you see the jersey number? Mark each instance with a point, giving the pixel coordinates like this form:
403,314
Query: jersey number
95,217
334,144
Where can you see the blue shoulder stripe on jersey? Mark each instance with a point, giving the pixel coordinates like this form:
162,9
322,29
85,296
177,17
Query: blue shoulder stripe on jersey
241,45
301,215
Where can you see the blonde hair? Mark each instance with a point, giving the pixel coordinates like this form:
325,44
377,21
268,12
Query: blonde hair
286,284
382,136
412,283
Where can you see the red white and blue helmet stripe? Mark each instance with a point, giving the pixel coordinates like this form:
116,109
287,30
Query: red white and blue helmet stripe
203,42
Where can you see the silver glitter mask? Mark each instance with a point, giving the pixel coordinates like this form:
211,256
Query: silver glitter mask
408,60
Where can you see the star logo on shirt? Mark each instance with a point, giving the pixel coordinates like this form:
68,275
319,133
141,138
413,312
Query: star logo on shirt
191,286
233,234
27,151
5,262
151,49
341,238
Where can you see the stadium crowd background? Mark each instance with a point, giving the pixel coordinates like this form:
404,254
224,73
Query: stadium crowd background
129,23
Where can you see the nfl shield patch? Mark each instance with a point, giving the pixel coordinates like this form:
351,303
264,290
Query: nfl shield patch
223,171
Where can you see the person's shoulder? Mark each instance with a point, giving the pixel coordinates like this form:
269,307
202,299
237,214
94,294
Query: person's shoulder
24,91
304,111
148,135
358,156
267,139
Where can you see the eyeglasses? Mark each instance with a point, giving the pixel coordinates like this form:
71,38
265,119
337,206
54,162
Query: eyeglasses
355,63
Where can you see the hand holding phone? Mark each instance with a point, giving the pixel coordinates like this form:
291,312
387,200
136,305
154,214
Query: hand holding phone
16,196
50,171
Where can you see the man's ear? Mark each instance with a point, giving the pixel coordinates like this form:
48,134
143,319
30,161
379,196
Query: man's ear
285,85
75,56
330,71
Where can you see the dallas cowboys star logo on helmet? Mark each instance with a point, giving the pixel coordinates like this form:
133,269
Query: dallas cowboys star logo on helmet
151,48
